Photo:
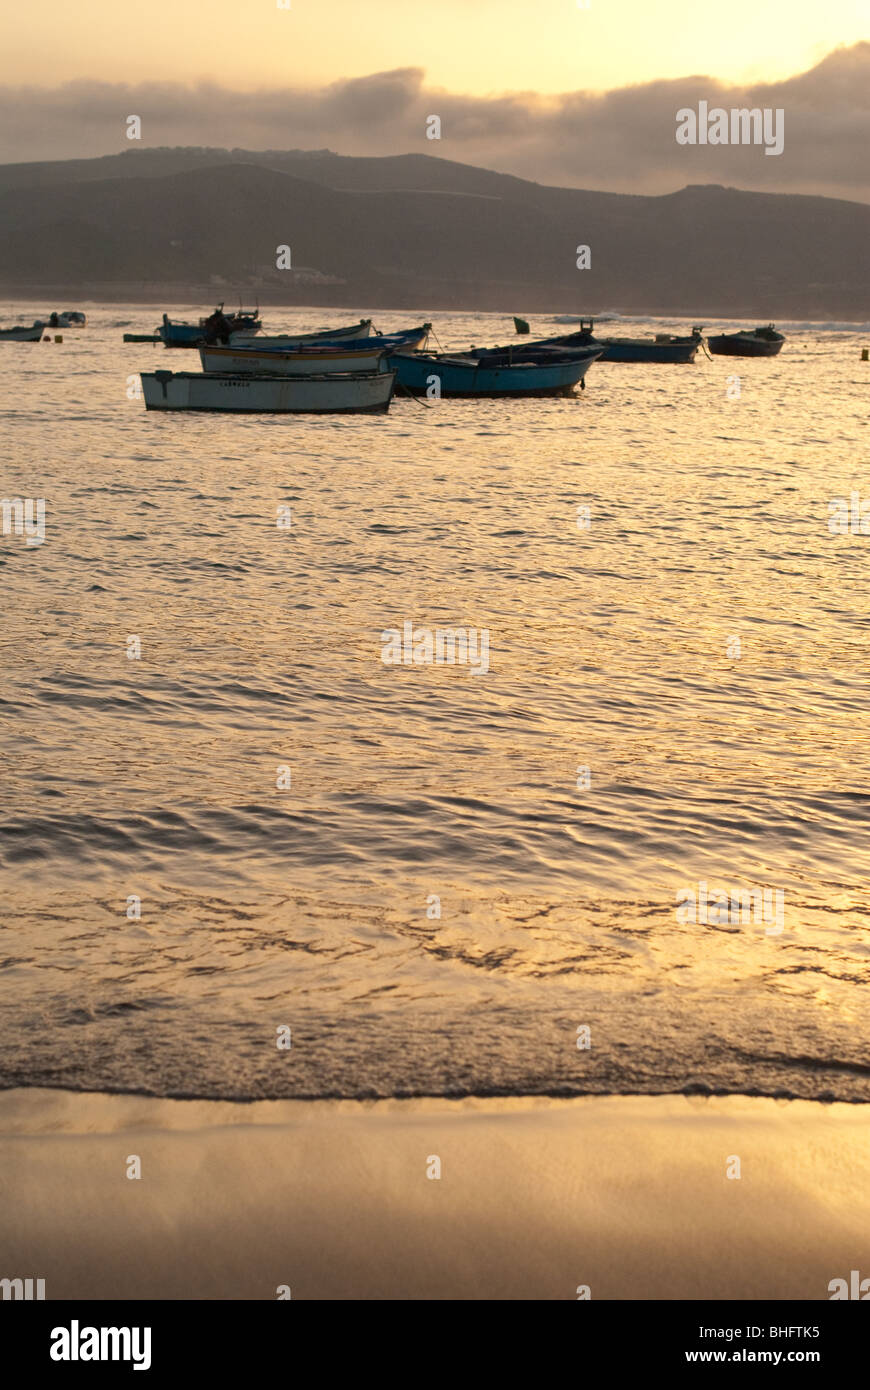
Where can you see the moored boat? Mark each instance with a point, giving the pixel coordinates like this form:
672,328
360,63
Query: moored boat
406,339
540,353
313,359
754,342
217,327
70,318
353,393
445,374
244,338
30,334
179,335
663,348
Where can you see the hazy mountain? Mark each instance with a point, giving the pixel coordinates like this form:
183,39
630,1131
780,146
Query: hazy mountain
412,230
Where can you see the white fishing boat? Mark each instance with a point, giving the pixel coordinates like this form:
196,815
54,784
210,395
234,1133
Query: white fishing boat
302,361
320,335
355,392
31,334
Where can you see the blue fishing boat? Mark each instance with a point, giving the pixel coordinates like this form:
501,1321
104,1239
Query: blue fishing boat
179,335
444,374
218,327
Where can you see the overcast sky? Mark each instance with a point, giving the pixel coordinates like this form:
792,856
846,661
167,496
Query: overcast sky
621,139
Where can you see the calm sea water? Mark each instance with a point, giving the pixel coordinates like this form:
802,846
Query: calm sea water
702,647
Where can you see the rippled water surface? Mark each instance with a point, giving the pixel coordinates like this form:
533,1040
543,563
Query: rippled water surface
612,648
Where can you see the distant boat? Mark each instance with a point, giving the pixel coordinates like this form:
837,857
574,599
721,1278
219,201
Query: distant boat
244,338
217,327
70,318
312,359
755,342
443,374
664,347
33,334
521,325
354,393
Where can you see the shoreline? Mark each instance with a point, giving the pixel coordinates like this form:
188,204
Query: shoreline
170,294
628,1195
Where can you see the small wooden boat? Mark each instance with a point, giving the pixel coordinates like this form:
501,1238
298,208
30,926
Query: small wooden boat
406,340
179,335
540,353
243,338
32,334
353,393
755,342
142,338
312,359
442,374
665,347
216,328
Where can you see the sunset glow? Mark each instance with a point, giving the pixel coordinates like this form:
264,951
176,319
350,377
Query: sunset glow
481,47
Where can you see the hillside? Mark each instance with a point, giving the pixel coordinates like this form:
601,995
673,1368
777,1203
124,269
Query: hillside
418,231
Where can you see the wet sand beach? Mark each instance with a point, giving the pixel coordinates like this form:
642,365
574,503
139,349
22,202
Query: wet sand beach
627,1196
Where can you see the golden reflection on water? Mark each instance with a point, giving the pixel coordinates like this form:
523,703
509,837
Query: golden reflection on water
612,648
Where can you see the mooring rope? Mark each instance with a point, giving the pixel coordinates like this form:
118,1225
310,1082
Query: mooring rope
414,398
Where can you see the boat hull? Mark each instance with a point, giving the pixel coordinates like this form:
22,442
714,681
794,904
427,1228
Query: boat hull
726,345
31,334
363,393
180,335
313,361
192,335
428,375
630,349
288,340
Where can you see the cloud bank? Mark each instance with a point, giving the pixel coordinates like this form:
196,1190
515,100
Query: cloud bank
622,140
